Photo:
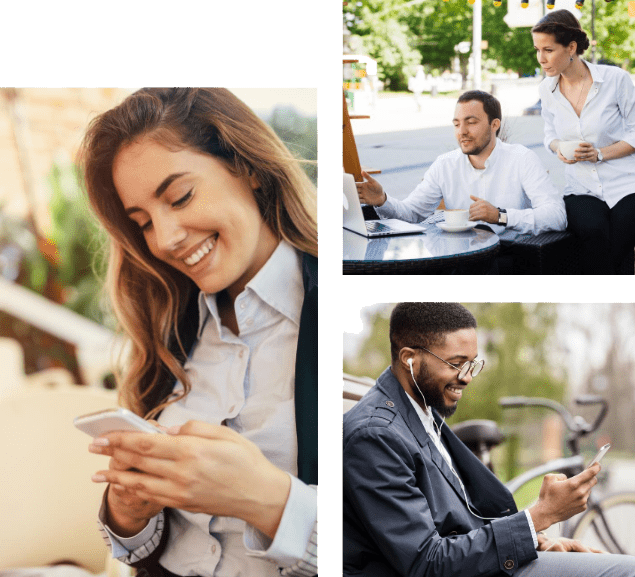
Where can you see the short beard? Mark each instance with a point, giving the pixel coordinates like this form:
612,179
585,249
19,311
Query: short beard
478,150
433,397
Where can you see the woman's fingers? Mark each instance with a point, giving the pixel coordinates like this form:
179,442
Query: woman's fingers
131,481
151,445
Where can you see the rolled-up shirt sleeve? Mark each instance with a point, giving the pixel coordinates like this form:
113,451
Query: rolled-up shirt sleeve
139,546
419,204
626,104
547,210
294,547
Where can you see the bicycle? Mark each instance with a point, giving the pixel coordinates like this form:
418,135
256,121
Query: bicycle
609,520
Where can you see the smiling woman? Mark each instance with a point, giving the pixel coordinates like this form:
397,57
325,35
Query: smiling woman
212,274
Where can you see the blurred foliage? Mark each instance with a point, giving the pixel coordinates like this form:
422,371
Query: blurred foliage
400,34
20,258
299,133
380,30
79,241
614,32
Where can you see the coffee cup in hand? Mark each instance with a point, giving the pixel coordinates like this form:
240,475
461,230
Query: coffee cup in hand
568,148
456,217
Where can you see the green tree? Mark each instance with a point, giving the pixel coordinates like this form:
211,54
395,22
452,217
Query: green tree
379,27
614,32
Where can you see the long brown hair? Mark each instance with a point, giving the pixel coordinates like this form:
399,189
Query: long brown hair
147,295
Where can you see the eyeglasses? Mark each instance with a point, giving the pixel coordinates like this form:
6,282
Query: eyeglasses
475,367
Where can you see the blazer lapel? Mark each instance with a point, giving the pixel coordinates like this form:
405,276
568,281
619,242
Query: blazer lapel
393,389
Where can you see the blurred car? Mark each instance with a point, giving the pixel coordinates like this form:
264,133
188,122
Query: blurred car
533,110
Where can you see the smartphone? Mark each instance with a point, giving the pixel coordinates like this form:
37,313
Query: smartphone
600,454
109,420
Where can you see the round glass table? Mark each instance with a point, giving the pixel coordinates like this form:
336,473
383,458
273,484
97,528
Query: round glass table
433,252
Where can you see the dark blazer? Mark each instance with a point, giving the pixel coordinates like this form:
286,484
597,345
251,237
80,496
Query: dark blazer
404,509
306,395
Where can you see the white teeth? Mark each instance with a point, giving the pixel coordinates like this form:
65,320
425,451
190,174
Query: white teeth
200,253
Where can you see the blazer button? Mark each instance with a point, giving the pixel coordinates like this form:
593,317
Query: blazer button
509,564
390,404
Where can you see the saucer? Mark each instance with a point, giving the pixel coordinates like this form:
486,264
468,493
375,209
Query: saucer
461,228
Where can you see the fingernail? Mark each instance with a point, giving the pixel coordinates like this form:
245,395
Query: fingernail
101,442
94,449
175,430
98,478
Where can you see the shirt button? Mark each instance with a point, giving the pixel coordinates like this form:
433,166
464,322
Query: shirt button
250,322
213,548
242,306
509,564
241,354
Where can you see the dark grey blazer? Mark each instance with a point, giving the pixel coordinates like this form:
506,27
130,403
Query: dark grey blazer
404,509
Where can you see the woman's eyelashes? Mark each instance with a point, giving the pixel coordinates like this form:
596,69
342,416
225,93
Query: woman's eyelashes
180,203
184,199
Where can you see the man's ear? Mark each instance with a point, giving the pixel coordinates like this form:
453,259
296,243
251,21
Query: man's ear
405,355
496,124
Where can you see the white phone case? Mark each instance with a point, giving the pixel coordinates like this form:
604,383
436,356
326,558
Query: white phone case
109,420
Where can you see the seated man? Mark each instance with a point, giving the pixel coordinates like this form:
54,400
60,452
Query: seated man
417,502
507,183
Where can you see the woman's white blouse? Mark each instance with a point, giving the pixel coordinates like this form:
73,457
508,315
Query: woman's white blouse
607,117
247,382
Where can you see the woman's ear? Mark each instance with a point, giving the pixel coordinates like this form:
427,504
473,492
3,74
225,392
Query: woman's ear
254,182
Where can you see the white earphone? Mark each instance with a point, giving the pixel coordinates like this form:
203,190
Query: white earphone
410,361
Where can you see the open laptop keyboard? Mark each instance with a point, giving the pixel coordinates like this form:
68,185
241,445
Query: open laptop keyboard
377,226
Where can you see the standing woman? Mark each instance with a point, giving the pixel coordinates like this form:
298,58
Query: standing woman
595,104
213,276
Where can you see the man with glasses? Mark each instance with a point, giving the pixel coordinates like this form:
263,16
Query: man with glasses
417,501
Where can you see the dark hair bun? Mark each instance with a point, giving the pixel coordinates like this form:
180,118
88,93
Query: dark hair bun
565,28
583,42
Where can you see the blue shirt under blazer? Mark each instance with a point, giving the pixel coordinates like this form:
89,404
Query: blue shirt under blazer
404,510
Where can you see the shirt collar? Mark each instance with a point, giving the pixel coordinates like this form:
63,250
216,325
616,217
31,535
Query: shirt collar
594,69
491,159
278,283
426,418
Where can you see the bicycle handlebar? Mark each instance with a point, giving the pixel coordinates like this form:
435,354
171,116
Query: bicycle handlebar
594,400
577,424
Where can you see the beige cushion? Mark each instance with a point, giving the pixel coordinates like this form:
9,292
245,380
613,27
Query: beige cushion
48,504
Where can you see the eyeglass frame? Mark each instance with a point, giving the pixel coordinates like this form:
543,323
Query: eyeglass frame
471,365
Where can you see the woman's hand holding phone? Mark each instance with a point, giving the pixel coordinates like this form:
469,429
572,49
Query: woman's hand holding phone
127,514
200,468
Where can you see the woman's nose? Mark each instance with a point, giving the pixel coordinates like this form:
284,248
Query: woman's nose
169,233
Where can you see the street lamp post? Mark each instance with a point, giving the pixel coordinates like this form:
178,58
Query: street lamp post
477,35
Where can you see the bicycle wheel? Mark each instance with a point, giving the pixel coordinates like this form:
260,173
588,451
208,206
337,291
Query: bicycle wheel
611,527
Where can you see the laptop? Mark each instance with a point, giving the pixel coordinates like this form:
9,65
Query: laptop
354,217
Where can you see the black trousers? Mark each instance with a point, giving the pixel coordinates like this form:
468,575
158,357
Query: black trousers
606,234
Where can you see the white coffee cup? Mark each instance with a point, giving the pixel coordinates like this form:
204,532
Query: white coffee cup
456,217
568,148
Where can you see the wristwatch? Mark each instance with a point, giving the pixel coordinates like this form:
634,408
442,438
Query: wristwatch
502,216
600,157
